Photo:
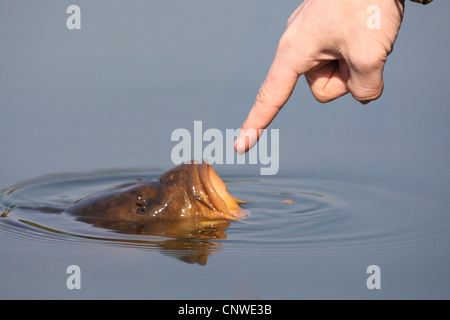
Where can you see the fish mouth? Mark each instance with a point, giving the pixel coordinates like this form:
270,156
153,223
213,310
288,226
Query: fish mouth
217,196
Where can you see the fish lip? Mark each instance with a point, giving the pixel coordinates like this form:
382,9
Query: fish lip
216,200
204,171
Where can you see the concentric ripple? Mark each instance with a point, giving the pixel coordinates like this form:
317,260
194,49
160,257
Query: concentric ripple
321,213
289,214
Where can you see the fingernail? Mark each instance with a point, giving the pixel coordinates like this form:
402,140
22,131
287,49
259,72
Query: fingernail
239,144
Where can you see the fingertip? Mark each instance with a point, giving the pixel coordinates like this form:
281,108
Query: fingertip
246,139
239,142
239,145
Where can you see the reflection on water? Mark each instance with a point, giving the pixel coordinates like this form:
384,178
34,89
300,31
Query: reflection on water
193,249
289,215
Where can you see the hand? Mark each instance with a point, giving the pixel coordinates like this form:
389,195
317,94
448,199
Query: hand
330,43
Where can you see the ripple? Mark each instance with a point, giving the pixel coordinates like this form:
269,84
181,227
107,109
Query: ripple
289,215
332,214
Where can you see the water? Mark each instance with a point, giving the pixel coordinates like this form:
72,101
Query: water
320,232
364,185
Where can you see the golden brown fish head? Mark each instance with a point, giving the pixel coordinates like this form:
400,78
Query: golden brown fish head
191,192
196,190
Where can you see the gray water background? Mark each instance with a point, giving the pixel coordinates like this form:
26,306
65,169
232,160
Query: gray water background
109,96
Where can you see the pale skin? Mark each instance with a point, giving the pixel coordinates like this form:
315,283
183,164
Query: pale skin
329,42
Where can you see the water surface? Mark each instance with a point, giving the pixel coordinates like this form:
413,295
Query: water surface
357,185
295,222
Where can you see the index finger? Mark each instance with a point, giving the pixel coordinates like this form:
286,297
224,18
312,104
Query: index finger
272,95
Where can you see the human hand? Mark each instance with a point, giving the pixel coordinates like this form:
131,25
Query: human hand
332,44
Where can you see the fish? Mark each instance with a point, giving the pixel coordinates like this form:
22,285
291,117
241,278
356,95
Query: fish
188,197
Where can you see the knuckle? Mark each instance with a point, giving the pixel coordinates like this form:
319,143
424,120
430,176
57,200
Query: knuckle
365,95
366,63
261,96
322,97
